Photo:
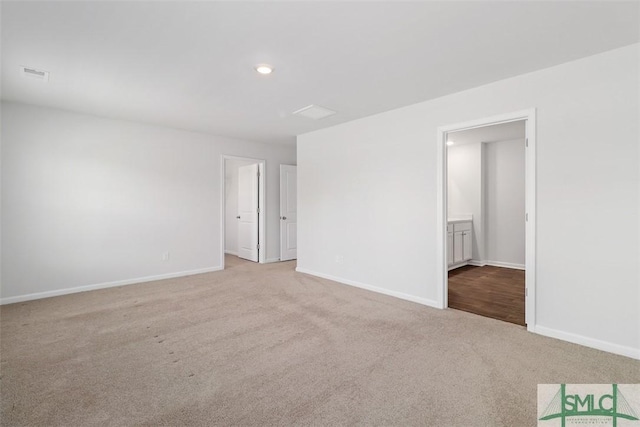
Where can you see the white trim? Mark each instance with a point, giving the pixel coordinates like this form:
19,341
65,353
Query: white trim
530,224
442,221
228,252
506,265
476,263
458,265
501,264
262,201
270,260
407,297
622,350
58,292
494,120
530,205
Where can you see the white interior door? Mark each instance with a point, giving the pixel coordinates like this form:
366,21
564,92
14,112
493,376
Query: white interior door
248,211
288,213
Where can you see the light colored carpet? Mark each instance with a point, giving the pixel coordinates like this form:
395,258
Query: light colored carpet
264,345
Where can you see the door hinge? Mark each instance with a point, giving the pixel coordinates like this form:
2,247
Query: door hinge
258,174
526,292
526,142
526,217
258,246
258,210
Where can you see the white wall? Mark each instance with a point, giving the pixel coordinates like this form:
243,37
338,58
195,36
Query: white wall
367,192
231,204
89,201
505,202
465,189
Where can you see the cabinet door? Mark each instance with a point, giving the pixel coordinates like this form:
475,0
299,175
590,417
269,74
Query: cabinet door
449,248
467,247
457,247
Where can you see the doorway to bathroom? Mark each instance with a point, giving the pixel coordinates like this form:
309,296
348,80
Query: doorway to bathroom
486,218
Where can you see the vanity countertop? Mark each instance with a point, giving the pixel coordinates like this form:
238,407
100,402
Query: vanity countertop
457,219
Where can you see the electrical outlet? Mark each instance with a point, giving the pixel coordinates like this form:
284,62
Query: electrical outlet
165,256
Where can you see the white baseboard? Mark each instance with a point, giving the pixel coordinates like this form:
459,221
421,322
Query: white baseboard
477,263
58,292
631,352
458,265
231,252
412,298
505,265
270,260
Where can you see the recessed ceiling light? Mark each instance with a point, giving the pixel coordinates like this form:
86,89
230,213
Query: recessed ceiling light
450,142
264,69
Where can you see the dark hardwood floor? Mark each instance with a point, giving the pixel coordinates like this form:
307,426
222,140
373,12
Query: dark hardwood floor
488,291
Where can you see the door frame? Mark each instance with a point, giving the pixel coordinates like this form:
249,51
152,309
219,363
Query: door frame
530,206
262,166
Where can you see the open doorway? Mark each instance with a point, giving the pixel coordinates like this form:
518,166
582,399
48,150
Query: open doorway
243,209
487,197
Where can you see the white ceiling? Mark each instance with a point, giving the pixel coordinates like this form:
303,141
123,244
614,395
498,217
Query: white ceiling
494,133
190,64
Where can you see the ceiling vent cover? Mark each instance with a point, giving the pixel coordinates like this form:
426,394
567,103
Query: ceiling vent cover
314,112
33,73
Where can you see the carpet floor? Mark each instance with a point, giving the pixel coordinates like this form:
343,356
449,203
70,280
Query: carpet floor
263,345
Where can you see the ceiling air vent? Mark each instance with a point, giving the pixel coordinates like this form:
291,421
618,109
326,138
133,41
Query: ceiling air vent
314,112
33,73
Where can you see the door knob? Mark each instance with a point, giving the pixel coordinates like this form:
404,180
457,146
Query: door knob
238,217
283,218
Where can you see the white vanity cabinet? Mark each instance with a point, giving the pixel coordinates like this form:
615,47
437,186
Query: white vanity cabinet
449,244
459,243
